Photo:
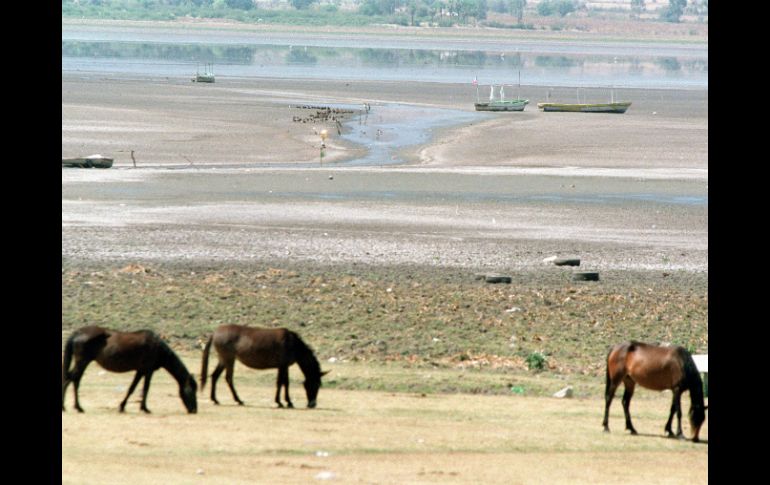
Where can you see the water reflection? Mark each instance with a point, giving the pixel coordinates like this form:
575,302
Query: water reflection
386,63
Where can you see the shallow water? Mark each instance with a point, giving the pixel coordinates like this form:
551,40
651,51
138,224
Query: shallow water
145,52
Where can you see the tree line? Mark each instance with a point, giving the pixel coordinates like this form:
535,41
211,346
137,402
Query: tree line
405,12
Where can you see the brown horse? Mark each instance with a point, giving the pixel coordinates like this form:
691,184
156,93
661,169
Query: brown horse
657,368
142,351
262,348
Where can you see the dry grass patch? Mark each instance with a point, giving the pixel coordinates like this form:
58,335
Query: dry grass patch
365,436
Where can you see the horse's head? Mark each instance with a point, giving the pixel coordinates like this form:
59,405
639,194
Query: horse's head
311,389
187,392
697,417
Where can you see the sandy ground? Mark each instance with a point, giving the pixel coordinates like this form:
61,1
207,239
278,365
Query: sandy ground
224,173
366,437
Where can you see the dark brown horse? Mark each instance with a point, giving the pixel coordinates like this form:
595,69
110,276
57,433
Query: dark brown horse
142,351
262,348
657,368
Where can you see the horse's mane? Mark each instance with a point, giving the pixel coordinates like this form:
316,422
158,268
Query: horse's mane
169,360
692,379
305,356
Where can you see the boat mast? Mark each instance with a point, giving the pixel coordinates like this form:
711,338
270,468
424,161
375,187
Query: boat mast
518,94
492,92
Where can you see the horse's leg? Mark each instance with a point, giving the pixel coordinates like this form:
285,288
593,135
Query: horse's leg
145,391
676,405
131,388
285,372
628,393
609,394
76,375
278,384
214,376
229,379
65,381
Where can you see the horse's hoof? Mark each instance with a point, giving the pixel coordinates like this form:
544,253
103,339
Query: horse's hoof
240,403
695,440
290,405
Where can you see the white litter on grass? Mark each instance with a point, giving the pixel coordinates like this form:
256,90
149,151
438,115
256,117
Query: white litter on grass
566,392
325,475
199,471
549,259
322,453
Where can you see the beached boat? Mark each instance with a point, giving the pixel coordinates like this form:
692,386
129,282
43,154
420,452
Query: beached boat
505,105
620,107
611,107
93,161
206,77
501,104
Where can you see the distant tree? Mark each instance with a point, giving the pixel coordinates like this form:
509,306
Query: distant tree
301,4
240,4
674,11
561,7
377,7
637,5
517,9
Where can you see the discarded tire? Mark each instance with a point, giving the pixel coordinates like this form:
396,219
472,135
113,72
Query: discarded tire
566,262
585,276
495,278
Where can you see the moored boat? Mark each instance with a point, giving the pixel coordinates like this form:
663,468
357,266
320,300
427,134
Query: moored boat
619,107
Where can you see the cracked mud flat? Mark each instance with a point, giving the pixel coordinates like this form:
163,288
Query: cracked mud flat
378,218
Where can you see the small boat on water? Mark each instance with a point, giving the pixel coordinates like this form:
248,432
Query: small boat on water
93,161
620,107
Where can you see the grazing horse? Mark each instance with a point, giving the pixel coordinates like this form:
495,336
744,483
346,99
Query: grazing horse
657,368
262,348
142,351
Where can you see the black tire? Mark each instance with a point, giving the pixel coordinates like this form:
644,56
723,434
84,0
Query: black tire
496,278
585,276
567,262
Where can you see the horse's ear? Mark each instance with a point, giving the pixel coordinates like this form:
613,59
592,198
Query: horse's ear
325,372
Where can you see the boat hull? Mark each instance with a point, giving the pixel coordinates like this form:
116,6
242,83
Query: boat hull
515,105
87,162
203,78
585,107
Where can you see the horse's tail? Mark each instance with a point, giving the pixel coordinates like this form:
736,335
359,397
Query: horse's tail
67,360
607,371
205,364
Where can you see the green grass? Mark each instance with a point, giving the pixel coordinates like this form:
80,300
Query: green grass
428,320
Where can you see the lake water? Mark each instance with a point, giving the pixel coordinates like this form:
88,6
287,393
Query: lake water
177,53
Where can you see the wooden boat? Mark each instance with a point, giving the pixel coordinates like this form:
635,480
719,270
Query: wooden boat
506,105
619,107
206,77
93,161
501,104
